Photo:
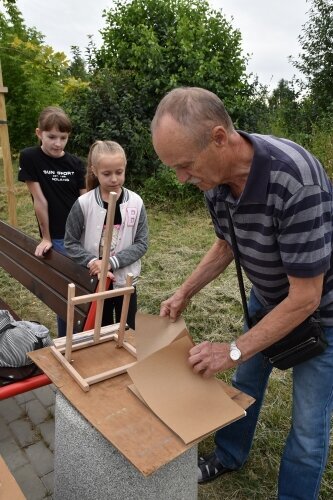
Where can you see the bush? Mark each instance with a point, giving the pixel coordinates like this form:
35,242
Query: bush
163,190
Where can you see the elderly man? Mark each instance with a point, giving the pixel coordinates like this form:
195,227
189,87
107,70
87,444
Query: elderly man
280,201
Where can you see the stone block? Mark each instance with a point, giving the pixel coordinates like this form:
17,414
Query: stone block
87,463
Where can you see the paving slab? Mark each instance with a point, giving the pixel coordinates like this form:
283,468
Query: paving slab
40,457
36,411
47,431
10,410
31,485
12,454
27,441
45,395
4,429
23,431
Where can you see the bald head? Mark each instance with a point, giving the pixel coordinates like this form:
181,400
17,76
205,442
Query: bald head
197,110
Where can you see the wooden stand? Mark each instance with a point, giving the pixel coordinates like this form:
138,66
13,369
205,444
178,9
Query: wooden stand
98,334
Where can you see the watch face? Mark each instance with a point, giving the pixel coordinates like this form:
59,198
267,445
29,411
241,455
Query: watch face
235,354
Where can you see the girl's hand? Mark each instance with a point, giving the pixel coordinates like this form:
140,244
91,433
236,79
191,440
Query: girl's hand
95,267
43,247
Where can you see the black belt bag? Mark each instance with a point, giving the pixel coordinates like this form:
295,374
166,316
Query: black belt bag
306,341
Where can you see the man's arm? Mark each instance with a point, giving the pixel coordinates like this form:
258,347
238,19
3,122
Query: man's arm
41,209
212,265
302,300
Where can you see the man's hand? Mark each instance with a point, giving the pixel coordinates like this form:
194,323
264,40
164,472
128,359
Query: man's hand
174,306
43,247
210,358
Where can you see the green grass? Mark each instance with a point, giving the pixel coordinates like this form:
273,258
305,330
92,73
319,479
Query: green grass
177,242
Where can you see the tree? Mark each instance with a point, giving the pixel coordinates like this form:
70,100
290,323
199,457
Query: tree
167,43
32,71
150,47
286,112
316,58
77,67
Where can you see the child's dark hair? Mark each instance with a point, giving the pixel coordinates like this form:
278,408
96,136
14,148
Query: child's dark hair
54,117
98,149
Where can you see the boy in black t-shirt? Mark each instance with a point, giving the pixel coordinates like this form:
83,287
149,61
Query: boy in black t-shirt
55,180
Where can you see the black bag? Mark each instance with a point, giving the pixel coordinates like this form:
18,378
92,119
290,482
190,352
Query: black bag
8,374
306,341
17,338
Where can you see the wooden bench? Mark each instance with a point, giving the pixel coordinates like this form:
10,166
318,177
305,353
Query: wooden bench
47,278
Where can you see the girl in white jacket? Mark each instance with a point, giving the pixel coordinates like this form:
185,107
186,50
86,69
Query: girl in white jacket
86,224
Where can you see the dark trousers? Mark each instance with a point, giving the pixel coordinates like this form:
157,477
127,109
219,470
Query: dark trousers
112,310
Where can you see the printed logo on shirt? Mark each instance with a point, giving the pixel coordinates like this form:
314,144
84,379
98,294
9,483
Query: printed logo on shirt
131,216
59,175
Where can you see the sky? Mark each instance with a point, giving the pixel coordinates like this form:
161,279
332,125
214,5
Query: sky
270,29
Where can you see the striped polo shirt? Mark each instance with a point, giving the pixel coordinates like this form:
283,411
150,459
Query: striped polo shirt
282,220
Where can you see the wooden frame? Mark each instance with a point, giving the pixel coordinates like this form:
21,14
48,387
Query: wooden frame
63,347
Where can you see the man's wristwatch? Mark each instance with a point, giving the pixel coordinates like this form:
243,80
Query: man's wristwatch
235,353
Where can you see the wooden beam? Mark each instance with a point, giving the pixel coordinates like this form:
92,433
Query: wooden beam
68,367
105,260
6,156
124,312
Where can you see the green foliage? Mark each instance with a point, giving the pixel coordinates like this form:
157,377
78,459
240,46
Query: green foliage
150,47
293,117
163,190
32,71
283,108
107,109
321,143
316,58
168,43
77,66
288,113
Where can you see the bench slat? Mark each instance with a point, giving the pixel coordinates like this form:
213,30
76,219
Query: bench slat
74,272
48,277
40,289
37,268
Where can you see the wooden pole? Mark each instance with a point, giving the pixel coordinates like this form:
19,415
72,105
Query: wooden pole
105,261
7,160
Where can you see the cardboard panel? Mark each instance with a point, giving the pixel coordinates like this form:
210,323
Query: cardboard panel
154,332
190,405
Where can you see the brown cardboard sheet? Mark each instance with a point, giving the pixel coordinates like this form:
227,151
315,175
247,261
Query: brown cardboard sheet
193,407
112,408
154,332
9,489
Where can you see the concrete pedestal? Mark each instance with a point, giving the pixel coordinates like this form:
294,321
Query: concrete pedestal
88,467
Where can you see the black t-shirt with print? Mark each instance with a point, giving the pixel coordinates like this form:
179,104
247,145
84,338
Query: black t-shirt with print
60,180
